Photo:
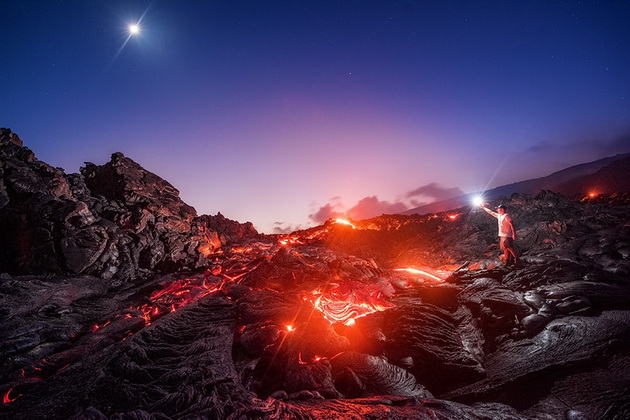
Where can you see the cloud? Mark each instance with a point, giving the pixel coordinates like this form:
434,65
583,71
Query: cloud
329,211
371,206
435,191
365,208
283,228
541,147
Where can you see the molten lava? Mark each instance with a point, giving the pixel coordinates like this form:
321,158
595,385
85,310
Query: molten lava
290,240
346,303
422,273
344,222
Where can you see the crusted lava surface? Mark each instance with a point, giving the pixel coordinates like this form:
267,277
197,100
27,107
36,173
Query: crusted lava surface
118,301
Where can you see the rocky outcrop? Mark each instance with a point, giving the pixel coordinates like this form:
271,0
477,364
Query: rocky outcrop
117,220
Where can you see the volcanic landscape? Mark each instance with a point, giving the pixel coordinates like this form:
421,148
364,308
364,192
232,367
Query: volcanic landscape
118,301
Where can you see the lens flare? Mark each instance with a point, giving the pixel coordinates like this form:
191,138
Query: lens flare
134,29
477,200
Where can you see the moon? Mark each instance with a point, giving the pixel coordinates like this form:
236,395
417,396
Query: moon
134,29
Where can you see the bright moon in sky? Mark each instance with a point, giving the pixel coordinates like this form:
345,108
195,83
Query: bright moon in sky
134,29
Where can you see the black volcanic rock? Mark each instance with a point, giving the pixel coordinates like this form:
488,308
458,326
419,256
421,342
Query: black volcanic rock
228,231
117,220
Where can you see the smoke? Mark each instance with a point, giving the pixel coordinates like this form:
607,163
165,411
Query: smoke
371,206
326,212
365,208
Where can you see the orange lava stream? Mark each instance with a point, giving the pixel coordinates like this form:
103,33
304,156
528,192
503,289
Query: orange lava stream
344,222
421,273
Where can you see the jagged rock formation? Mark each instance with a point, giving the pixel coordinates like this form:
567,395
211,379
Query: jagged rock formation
394,317
117,220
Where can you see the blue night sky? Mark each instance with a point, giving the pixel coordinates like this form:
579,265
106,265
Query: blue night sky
283,113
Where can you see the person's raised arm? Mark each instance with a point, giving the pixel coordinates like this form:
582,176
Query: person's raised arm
490,212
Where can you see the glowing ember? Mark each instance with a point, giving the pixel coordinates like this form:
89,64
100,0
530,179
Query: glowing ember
206,249
290,240
7,397
344,222
242,249
169,298
421,273
453,216
315,359
97,327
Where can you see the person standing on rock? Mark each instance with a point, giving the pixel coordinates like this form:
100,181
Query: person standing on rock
507,233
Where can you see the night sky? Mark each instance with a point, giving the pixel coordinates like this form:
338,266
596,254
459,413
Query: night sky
283,113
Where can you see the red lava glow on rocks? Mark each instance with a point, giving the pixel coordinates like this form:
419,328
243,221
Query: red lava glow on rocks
346,303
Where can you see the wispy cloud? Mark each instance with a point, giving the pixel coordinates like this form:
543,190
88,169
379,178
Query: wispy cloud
435,192
371,206
283,228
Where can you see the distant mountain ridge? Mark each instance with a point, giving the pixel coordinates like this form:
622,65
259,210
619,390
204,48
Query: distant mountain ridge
602,176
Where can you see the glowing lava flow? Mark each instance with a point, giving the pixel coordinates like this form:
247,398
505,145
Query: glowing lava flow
290,240
346,306
173,296
344,222
421,273
7,397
